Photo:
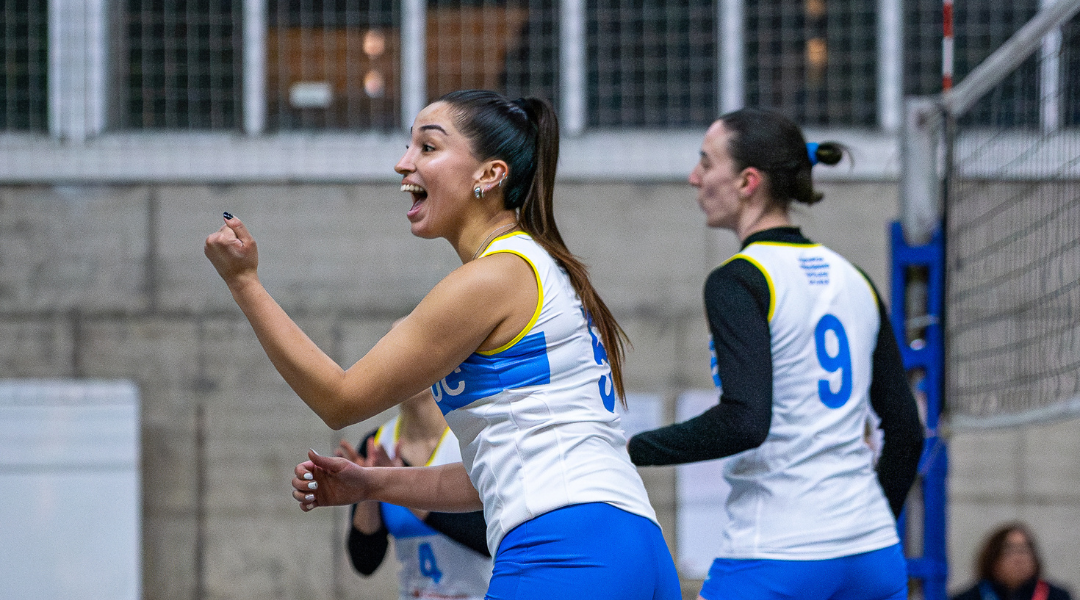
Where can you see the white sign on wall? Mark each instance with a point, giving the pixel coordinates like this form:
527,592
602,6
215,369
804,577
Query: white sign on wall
70,528
700,495
642,413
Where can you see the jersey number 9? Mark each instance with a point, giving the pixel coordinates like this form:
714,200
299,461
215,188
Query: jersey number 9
834,354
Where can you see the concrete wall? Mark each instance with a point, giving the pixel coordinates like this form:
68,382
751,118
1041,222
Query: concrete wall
1030,474
110,282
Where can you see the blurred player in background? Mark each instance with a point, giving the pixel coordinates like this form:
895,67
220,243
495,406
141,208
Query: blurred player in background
803,352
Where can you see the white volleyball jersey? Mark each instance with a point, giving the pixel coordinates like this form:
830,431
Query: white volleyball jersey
432,565
536,418
810,492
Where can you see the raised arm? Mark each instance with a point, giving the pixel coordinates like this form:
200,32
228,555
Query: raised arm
480,305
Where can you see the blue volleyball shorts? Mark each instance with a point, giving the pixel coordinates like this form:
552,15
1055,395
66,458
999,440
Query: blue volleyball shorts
593,551
877,575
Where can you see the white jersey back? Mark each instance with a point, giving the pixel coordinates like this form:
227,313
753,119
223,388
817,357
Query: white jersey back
432,565
536,418
809,491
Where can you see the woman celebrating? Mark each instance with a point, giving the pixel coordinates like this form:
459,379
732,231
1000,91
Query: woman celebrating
514,345
803,351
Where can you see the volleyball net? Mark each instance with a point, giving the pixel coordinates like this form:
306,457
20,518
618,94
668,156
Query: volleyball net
1008,137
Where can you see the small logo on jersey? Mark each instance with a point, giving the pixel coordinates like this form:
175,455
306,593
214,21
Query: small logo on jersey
816,269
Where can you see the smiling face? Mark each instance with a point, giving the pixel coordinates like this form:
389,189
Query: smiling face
440,171
717,180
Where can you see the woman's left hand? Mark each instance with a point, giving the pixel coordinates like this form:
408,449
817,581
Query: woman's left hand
330,481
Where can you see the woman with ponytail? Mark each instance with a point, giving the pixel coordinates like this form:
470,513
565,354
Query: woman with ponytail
804,356
521,355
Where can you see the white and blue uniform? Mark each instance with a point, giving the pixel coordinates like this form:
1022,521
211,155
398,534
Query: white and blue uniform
803,358
539,433
809,491
432,565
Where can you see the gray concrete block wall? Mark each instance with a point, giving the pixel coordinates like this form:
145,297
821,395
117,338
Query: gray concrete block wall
110,282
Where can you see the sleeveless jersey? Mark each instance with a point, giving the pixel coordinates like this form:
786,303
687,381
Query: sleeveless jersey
536,417
810,492
432,565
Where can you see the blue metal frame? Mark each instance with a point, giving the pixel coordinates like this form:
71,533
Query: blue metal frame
929,565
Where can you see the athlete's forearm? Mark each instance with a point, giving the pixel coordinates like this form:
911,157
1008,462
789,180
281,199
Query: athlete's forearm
445,488
892,400
314,376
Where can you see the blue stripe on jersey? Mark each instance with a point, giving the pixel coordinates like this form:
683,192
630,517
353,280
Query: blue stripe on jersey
523,364
402,523
713,364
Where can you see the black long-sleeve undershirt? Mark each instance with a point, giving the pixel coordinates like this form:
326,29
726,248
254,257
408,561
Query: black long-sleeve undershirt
736,305
367,551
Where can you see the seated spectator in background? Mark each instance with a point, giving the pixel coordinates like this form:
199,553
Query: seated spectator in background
1009,568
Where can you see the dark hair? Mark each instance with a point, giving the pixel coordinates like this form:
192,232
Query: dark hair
994,547
774,145
525,134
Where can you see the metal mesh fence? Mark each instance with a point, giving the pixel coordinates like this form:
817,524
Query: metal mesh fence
337,64
981,29
651,63
922,47
532,57
179,65
492,45
1013,246
1070,37
333,64
815,61
24,56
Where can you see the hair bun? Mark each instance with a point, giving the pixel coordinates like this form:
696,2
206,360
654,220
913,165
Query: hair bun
828,153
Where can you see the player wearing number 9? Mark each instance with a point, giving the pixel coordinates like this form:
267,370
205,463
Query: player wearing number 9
803,355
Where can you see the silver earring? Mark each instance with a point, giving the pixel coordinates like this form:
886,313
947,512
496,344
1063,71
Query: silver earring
478,192
501,181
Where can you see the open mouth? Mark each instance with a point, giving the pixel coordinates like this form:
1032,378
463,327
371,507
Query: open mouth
419,194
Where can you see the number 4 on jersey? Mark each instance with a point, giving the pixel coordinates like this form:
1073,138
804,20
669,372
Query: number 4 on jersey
428,568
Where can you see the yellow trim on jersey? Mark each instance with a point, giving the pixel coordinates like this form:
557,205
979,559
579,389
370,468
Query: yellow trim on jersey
869,284
503,237
539,300
768,279
442,437
397,436
379,431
